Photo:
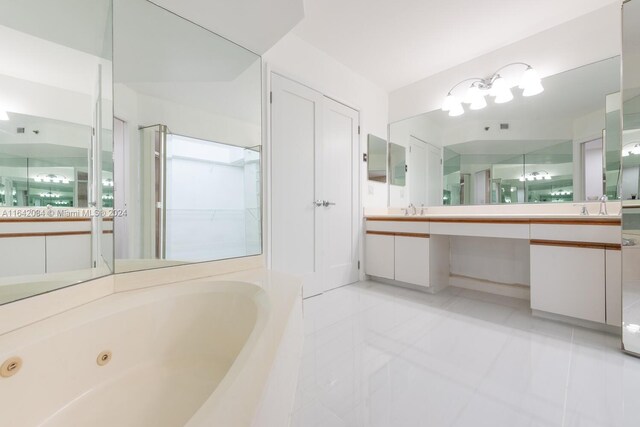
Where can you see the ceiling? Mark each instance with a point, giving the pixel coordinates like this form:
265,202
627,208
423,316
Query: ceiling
50,21
502,147
256,25
395,43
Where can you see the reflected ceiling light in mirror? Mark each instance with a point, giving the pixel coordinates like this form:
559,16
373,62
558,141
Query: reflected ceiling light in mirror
51,178
495,86
535,176
632,327
3,115
631,149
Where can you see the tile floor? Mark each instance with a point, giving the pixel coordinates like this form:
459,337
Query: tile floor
379,355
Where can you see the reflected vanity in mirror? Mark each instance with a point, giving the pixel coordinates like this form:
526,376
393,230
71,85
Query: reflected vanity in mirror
55,145
187,141
553,147
376,159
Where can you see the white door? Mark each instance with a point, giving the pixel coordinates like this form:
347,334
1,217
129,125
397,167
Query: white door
434,176
340,188
314,150
417,172
425,173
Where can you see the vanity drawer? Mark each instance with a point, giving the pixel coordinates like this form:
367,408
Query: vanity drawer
577,233
481,229
399,226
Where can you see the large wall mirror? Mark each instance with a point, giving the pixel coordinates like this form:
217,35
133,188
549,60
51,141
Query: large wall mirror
631,177
187,141
55,145
562,145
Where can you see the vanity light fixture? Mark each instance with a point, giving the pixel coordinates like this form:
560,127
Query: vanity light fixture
496,86
50,195
52,178
535,176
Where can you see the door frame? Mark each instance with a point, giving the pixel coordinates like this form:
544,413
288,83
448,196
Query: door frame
269,70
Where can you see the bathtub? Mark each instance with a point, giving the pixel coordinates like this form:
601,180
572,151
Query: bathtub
212,352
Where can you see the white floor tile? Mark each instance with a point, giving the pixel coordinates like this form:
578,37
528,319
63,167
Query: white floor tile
379,355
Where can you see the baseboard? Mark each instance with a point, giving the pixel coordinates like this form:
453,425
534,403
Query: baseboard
429,290
497,288
615,330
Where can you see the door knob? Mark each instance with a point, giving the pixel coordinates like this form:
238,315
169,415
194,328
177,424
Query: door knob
319,203
327,203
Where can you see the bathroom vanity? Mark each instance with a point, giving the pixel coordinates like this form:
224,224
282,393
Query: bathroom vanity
574,261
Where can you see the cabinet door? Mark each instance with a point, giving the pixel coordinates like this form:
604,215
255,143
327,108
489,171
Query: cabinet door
614,287
379,256
21,256
412,260
569,281
68,253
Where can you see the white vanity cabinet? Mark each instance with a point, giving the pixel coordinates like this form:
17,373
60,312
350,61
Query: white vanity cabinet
405,252
613,282
575,271
412,260
569,281
379,259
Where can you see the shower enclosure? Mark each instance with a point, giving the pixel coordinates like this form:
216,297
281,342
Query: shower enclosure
200,200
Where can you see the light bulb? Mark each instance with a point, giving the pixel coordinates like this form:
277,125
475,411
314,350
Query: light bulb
449,102
500,89
475,97
533,89
504,96
472,94
456,110
479,103
498,86
635,149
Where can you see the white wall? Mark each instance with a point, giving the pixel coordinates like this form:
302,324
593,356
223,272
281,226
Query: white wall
302,62
589,38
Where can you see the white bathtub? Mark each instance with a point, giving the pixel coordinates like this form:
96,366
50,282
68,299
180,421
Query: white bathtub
202,353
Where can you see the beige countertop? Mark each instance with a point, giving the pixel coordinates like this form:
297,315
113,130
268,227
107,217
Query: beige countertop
514,218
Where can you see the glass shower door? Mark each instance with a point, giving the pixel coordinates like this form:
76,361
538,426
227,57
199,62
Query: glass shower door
212,208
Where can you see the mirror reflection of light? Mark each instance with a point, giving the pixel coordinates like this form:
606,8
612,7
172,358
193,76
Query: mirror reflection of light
633,328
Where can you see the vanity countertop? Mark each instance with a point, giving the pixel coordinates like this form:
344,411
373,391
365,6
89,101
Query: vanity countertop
506,218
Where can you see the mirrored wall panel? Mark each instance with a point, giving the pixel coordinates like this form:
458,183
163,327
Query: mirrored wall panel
187,142
561,145
376,159
397,165
55,145
631,177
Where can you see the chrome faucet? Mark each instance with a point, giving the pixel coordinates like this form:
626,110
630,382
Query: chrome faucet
412,208
422,209
603,205
583,210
